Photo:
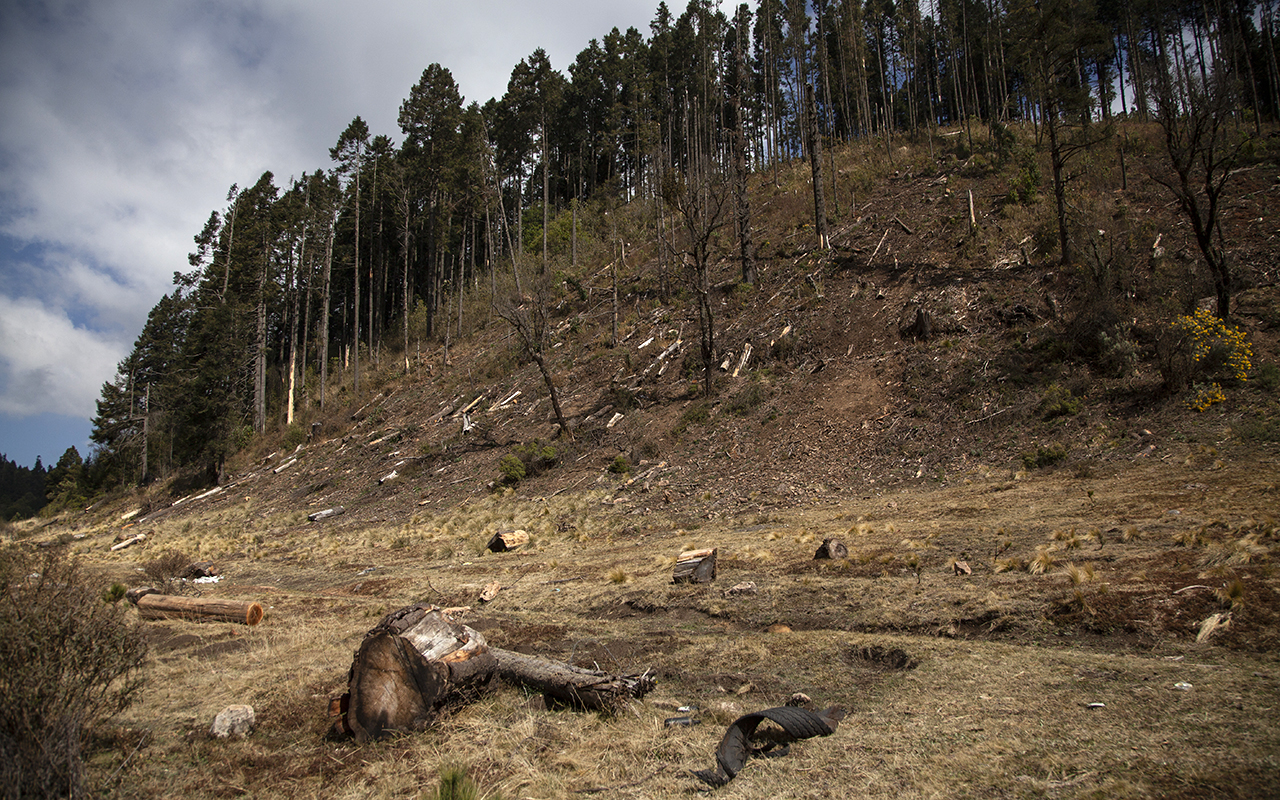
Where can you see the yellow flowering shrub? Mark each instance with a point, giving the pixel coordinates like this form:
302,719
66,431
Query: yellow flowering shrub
1211,336
1215,347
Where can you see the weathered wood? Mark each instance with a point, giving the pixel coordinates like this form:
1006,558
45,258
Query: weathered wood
328,512
410,665
503,541
141,537
166,606
831,548
695,566
581,688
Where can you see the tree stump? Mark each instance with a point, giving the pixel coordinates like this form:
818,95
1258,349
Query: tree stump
831,548
503,541
695,566
418,659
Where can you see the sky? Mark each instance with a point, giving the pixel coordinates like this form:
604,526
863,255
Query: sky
125,122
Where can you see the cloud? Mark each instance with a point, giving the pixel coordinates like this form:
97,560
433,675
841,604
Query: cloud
47,364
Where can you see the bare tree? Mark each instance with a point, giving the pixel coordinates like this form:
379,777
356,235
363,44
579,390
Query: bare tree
700,198
528,318
1204,145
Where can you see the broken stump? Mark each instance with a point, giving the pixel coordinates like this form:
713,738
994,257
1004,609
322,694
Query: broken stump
831,548
695,566
503,541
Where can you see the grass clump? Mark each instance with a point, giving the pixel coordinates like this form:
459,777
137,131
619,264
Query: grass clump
68,661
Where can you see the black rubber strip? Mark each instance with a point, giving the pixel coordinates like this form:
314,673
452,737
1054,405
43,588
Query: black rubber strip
735,748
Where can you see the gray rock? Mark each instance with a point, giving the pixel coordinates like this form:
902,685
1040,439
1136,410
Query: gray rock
233,721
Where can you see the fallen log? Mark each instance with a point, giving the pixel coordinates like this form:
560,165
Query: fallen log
418,660
328,512
581,688
166,606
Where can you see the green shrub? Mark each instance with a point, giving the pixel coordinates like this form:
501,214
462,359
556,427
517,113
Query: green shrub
526,461
455,785
294,436
1045,456
746,400
67,662
695,414
620,465
1059,402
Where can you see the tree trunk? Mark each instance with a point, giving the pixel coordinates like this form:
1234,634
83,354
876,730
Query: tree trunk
163,606
580,688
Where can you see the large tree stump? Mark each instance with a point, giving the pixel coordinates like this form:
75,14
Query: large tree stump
410,665
417,660
165,606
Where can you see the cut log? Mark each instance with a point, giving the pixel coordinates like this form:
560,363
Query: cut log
580,688
831,548
695,566
141,537
166,606
503,541
328,512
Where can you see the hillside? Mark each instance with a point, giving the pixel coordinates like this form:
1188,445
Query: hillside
925,391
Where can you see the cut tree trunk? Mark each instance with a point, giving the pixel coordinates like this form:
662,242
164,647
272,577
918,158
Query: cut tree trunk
580,688
831,548
410,665
503,541
166,606
418,659
695,566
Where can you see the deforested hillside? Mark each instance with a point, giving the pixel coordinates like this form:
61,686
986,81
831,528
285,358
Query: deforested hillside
1053,540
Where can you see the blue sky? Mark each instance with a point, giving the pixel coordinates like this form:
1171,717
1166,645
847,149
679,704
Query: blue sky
125,121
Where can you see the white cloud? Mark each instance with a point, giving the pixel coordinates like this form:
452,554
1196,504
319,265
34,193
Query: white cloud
49,365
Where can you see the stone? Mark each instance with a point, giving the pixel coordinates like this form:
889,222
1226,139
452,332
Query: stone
235,720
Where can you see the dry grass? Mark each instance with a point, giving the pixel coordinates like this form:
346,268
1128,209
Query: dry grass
1008,662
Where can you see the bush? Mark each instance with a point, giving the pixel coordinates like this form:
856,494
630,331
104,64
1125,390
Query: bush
526,461
1059,402
167,570
67,661
620,465
1045,456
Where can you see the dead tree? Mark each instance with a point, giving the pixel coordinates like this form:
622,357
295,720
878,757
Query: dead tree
1204,146
528,317
700,197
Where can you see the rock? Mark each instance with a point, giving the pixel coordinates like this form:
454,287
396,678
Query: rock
233,721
